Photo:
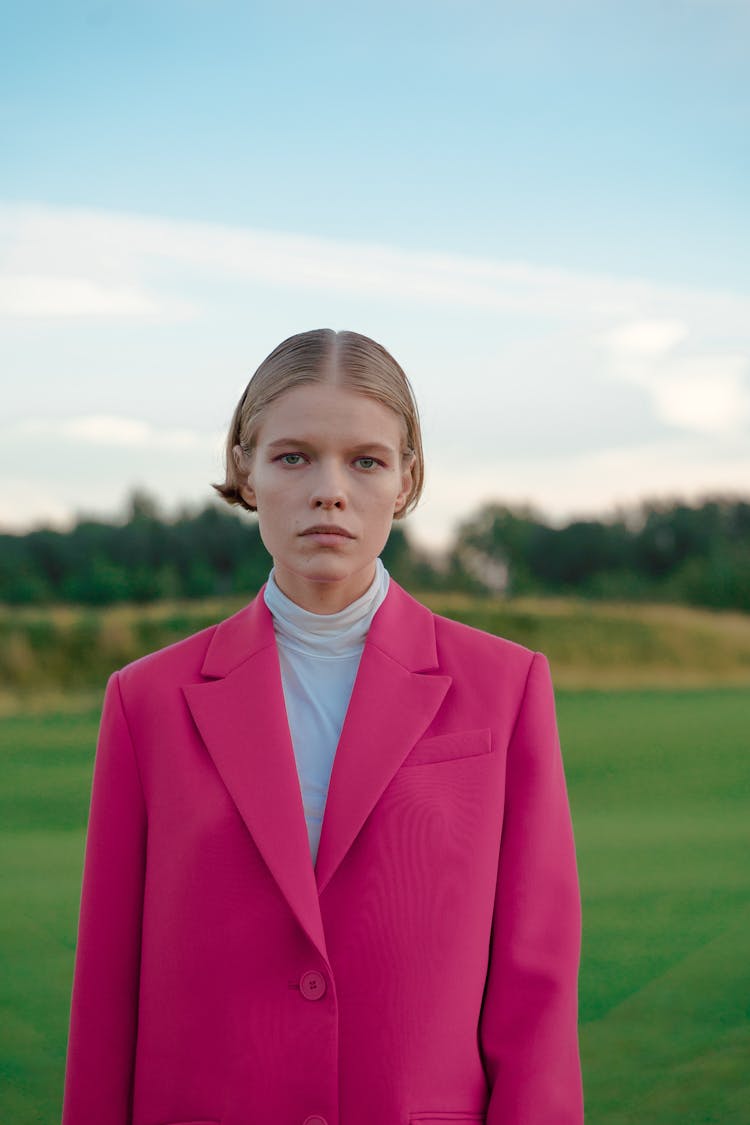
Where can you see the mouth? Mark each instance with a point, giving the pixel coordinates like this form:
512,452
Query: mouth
327,529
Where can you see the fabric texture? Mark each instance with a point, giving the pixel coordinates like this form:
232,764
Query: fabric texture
425,970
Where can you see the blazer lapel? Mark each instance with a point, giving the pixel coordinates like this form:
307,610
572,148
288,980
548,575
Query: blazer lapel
241,716
395,697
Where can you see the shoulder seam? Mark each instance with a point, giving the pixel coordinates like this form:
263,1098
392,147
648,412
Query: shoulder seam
116,678
522,700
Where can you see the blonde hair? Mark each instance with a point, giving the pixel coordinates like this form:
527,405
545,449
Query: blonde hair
318,356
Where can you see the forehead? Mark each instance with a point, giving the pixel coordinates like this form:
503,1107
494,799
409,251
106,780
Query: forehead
326,411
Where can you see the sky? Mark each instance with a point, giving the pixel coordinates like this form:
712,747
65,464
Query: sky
540,208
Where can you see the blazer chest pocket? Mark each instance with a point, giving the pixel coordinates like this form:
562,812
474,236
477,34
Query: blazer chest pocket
449,748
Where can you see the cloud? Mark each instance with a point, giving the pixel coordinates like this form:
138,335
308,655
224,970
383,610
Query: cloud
29,295
690,390
116,432
708,394
656,338
648,337
150,262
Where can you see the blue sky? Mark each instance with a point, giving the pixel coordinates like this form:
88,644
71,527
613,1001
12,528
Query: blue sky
540,208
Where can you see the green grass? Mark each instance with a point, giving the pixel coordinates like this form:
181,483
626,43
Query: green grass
660,791
45,778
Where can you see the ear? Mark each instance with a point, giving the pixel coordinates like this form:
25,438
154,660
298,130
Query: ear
406,482
243,463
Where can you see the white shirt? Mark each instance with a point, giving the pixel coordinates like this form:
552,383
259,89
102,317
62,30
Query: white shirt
319,656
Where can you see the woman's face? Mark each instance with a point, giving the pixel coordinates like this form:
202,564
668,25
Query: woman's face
326,476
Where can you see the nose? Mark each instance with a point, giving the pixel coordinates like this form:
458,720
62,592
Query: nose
328,491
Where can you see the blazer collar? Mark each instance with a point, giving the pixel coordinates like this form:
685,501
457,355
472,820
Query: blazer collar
240,713
401,628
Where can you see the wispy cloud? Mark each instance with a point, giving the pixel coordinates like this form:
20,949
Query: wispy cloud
30,295
114,431
648,337
582,389
689,389
150,261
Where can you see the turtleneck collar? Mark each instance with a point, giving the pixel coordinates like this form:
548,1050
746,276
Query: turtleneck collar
326,634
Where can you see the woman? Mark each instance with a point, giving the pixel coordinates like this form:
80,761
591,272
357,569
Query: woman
329,876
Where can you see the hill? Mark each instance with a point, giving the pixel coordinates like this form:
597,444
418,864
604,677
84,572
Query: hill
60,653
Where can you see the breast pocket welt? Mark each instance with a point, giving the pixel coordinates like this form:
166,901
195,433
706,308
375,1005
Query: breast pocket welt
455,746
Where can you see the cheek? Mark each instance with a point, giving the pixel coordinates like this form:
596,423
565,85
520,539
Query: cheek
380,510
273,490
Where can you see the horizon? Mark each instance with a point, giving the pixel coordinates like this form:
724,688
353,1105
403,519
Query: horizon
630,515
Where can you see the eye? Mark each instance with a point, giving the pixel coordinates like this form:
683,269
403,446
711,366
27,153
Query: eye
290,459
368,463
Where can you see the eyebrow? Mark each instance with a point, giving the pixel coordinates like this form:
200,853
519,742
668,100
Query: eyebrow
300,443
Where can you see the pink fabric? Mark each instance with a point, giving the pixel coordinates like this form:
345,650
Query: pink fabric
424,971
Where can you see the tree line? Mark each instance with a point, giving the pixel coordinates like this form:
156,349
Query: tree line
659,550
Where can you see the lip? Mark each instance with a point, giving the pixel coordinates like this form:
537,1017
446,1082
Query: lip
327,529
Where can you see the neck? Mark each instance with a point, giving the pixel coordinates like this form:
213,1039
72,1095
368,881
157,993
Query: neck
325,597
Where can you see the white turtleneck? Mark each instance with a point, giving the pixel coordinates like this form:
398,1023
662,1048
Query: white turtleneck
319,656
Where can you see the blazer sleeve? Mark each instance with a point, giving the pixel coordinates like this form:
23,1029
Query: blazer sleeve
528,1026
104,1001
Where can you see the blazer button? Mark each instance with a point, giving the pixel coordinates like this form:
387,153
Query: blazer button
315,1119
312,985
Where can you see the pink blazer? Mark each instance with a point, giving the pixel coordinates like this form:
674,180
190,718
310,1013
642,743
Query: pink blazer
424,971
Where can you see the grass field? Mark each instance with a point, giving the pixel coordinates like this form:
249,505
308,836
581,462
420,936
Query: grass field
660,790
